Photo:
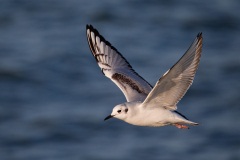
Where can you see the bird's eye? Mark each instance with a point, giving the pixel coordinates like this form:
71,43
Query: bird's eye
119,111
126,110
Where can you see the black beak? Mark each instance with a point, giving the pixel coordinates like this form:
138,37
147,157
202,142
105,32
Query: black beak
108,117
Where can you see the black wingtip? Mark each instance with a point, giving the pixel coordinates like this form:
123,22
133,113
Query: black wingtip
199,35
97,34
92,29
89,26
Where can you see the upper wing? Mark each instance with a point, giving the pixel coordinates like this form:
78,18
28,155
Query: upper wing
116,67
173,85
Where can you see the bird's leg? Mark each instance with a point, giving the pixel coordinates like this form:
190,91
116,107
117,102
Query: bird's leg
181,126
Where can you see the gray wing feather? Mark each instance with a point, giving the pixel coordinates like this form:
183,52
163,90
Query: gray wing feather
173,85
116,67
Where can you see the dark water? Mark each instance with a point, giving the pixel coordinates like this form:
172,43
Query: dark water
53,97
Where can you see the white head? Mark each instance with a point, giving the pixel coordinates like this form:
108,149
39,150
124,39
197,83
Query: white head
120,111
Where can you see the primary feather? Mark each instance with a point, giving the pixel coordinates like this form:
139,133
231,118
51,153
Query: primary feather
116,67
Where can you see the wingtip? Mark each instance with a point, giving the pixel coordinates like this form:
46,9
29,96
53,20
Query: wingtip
95,31
199,35
92,29
199,39
88,26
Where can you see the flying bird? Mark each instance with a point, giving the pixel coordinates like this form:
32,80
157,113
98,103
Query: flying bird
146,105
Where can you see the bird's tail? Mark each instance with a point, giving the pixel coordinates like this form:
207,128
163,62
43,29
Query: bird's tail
183,123
184,120
190,123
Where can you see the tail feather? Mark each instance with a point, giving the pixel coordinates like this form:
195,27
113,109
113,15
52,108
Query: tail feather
184,120
192,123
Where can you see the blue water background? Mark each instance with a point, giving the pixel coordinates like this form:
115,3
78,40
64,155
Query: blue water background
53,97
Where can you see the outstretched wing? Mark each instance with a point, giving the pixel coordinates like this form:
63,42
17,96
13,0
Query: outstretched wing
173,85
116,67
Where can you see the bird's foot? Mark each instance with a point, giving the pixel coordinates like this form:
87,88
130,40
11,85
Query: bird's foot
181,126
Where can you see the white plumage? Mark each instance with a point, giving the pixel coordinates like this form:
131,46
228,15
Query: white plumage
147,105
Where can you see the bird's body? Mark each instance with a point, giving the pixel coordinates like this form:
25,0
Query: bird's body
153,116
146,105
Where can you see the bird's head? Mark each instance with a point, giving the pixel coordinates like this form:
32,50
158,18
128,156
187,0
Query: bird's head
120,111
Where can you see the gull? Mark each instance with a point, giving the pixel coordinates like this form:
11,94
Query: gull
146,105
